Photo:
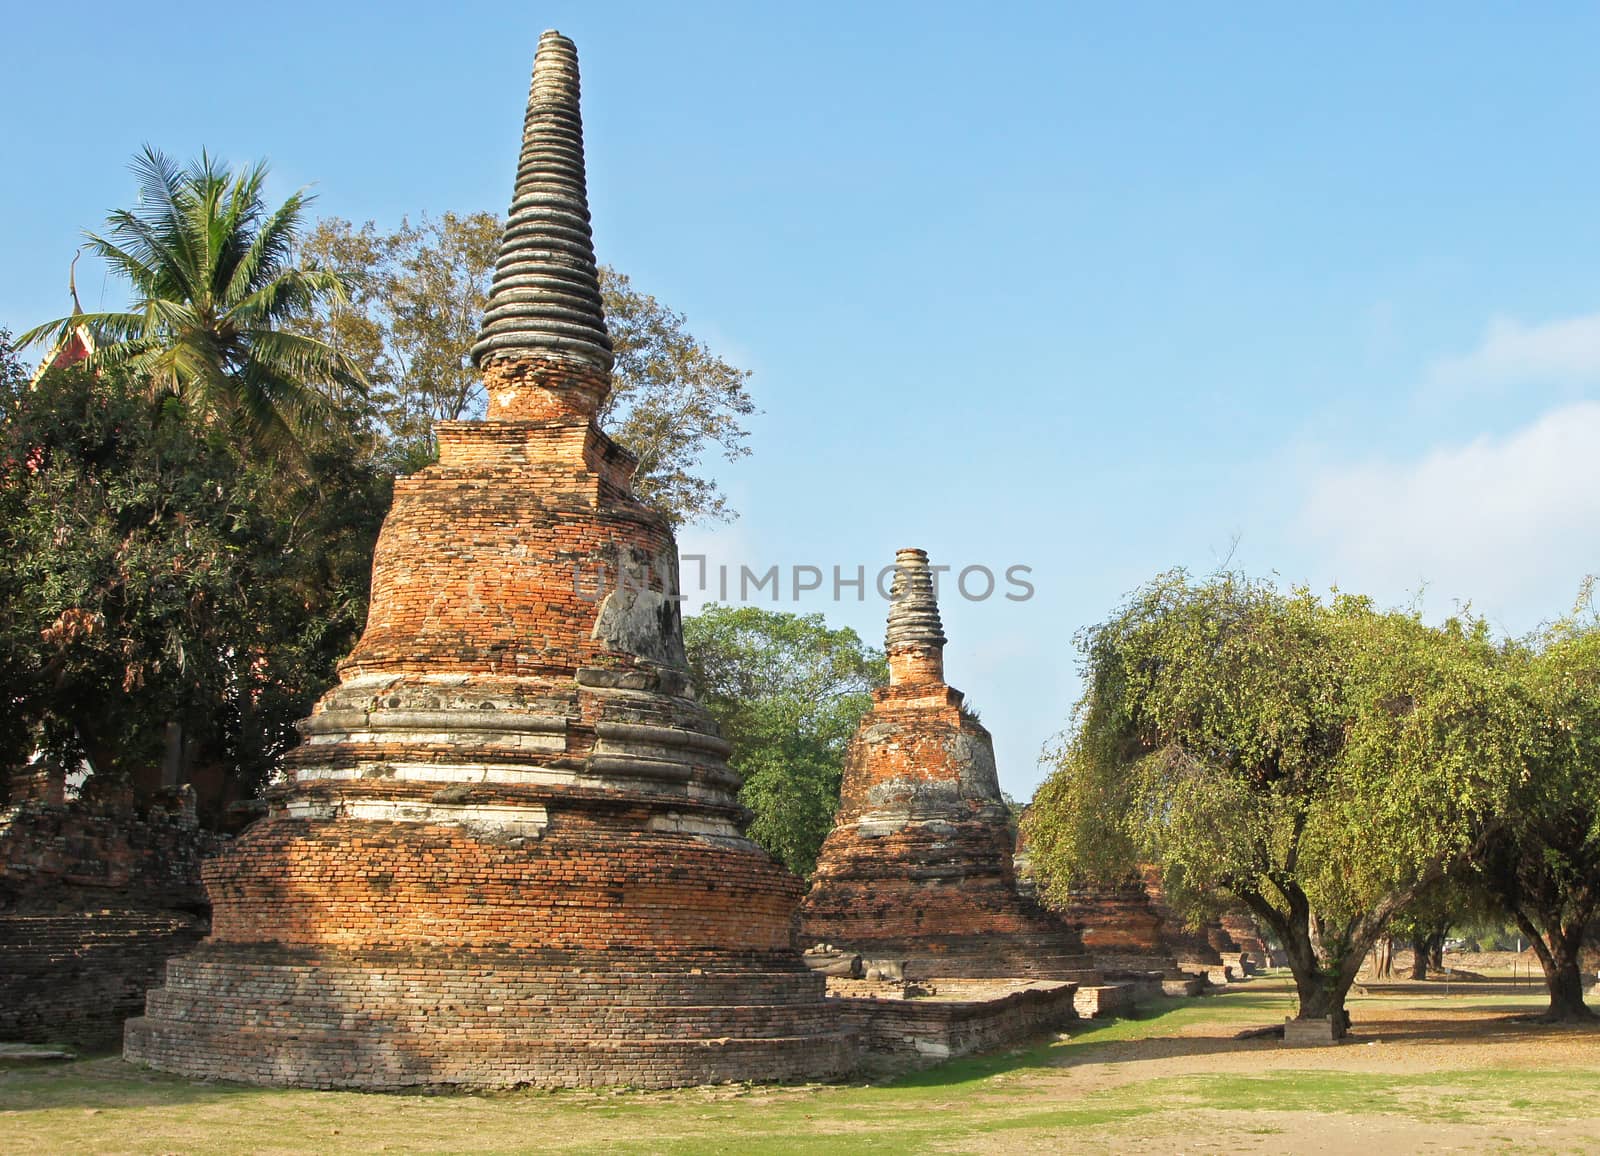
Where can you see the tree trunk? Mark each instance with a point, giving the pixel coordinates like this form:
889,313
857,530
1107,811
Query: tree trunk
1320,993
1323,978
1419,957
1383,958
1436,949
1565,982
1559,951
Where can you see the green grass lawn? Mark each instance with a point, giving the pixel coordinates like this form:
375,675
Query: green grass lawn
1107,1083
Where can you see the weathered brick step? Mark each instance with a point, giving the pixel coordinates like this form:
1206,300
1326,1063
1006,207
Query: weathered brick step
252,984
533,1018
338,1059
22,930
1105,1000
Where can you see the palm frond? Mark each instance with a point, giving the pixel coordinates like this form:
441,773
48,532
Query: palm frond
279,412
292,292
296,357
61,328
269,252
213,281
162,217
136,253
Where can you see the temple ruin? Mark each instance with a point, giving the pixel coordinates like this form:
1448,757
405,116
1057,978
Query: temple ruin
917,871
1207,948
1127,938
508,850
97,891
1242,928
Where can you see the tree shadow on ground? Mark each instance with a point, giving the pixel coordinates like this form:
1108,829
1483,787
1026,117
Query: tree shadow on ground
106,1082
1479,1024
1081,1045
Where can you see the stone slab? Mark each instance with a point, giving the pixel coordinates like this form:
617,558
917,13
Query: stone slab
1312,1033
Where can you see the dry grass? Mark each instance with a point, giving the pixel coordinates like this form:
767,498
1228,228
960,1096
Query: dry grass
1429,1072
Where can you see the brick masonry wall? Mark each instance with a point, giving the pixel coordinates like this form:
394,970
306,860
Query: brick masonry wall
75,979
1121,929
1242,930
1191,947
587,886
487,1019
94,899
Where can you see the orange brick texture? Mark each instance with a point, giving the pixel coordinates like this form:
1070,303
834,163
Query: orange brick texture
1193,948
1119,927
918,866
1243,930
1119,924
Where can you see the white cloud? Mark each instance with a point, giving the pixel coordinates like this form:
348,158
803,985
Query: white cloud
1511,523
1563,353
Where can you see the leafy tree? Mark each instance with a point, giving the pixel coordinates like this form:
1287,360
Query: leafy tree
674,399
1457,899
212,286
1544,863
1322,763
410,318
151,572
15,733
788,692
413,317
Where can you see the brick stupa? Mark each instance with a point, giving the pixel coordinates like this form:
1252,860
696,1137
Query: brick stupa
1243,929
1207,948
918,866
1120,927
509,850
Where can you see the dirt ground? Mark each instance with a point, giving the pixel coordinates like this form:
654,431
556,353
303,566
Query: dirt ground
1422,1043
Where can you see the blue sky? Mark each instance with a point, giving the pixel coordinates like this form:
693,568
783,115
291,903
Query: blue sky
1095,289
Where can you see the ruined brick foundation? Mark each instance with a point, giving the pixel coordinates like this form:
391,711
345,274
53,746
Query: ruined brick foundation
95,896
1243,930
920,1032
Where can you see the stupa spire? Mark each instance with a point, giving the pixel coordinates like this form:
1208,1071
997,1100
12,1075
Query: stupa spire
544,302
915,638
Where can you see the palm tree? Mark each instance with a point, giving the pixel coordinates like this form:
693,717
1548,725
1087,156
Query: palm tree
213,285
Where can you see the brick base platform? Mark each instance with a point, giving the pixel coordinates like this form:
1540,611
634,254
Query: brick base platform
389,955
265,1017
920,1032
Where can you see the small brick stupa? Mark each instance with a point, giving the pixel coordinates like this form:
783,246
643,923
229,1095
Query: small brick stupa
1207,949
510,850
1242,928
918,866
1120,928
